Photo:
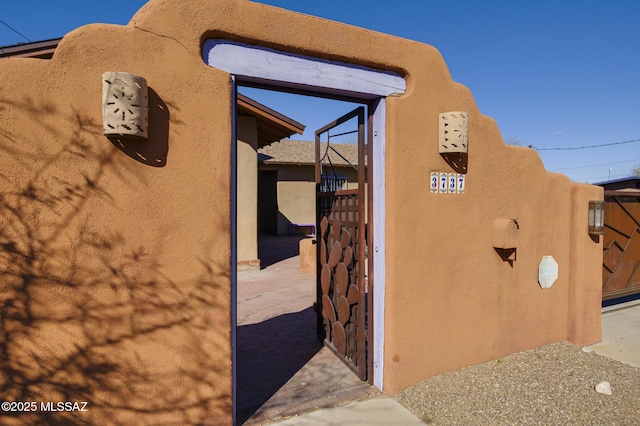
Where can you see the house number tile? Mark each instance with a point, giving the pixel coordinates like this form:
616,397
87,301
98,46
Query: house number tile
446,183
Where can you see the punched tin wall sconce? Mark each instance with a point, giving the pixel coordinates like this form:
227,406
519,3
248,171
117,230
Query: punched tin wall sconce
596,217
125,104
453,134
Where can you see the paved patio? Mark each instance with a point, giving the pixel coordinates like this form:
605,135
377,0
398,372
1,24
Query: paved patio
283,370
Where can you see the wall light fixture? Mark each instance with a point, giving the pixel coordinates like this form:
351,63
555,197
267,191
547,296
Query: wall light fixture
596,217
125,104
453,135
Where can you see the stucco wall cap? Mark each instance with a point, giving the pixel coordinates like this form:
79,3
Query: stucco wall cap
245,21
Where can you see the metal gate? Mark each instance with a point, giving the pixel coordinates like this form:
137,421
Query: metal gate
621,241
342,288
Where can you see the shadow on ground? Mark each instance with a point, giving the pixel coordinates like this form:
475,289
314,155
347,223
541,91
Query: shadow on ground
269,354
272,249
282,369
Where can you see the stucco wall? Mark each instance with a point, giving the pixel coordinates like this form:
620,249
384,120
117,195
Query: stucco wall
296,202
296,193
247,204
115,256
450,300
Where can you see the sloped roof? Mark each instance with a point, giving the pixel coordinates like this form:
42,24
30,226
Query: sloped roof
272,126
624,179
37,49
289,151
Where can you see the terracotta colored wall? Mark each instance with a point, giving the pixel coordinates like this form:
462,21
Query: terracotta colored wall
450,299
115,255
116,271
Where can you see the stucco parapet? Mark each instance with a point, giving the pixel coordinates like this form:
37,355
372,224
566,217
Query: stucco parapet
597,191
243,21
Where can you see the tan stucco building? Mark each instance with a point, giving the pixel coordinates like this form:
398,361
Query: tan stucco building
287,184
257,126
117,255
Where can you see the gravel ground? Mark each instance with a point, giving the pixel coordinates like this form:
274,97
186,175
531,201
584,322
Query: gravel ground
552,385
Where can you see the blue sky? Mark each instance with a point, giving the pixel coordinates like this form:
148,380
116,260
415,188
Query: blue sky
553,74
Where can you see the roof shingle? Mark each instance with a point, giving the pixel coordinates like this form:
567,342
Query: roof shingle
289,151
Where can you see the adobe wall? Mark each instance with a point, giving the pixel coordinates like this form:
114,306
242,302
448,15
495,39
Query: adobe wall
451,301
115,255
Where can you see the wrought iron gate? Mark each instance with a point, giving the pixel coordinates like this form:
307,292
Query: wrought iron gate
342,288
621,243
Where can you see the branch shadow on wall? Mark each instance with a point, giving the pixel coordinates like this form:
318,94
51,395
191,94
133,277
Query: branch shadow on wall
86,315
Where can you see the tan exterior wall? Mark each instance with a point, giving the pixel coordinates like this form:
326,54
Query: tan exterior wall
297,204
296,193
115,258
247,194
115,272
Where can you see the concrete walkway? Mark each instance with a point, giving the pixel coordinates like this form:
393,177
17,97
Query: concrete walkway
620,333
377,411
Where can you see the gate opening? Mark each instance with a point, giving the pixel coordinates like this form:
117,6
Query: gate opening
279,348
259,66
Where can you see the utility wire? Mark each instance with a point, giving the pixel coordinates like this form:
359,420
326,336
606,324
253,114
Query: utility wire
586,147
14,30
594,165
600,178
